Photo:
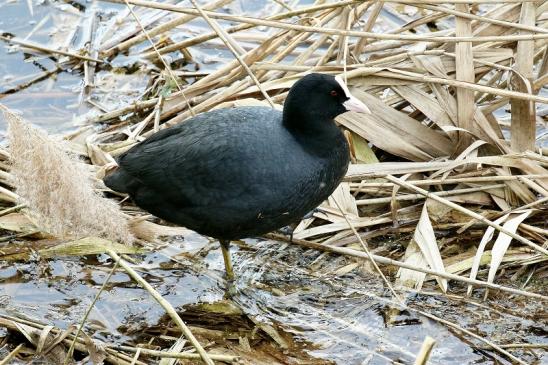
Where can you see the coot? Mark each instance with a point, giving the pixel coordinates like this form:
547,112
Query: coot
240,172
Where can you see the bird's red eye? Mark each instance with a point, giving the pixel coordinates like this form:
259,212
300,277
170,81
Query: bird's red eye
334,93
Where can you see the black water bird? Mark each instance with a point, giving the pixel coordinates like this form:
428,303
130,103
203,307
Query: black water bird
245,171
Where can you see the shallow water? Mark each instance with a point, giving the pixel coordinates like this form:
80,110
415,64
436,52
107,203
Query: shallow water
345,317
348,315
50,103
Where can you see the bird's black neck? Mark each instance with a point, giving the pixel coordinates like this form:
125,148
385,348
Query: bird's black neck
317,133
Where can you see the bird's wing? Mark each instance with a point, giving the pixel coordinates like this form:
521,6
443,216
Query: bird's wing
204,161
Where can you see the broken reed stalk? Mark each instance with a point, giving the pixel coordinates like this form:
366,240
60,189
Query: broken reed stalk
335,31
471,334
136,356
425,351
525,346
534,186
165,304
386,261
132,108
368,253
446,181
43,49
421,196
62,337
166,66
9,357
8,195
468,212
13,209
233,47
88,311
173,355
24,85
209,36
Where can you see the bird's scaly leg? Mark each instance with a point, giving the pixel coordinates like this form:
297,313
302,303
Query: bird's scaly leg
225,248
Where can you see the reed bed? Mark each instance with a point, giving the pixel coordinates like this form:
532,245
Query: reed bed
451,163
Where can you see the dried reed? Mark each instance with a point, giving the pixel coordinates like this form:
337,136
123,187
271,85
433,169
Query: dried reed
57,188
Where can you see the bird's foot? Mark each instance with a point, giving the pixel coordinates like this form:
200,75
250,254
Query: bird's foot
230,289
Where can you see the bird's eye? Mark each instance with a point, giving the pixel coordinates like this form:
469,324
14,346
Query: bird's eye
334,93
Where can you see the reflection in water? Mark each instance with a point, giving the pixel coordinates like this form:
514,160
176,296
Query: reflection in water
342,315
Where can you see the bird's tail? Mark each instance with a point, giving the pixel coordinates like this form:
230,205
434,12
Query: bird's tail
117,179
58,188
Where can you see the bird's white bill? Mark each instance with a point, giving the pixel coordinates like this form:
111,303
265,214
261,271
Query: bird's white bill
352,104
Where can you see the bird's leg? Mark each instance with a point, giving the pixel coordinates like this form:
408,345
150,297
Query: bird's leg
288,231
225,248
